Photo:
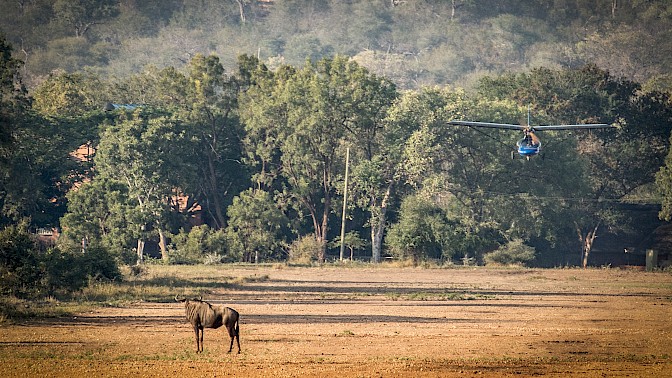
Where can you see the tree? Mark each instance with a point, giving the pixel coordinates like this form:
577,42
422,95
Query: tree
664,186
468,173
211,112
19,260
316,116
26,269
256,225
206,100
424,231
35,166
373,184
64,94
13,94
201,244
514,252
312,110
81,15
385,166
163,88
144,150
13,107
351,240
375,149
263,112
98,213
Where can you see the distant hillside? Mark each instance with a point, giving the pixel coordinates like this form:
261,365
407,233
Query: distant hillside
414,42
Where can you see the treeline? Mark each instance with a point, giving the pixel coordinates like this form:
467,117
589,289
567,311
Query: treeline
414,43
248,165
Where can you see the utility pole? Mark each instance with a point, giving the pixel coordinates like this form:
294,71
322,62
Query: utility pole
345,201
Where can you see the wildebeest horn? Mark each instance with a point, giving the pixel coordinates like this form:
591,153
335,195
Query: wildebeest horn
176,299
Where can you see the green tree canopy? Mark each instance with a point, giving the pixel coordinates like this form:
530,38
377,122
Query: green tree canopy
256,226
144,150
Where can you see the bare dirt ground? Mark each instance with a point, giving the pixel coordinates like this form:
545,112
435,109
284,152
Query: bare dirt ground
365,322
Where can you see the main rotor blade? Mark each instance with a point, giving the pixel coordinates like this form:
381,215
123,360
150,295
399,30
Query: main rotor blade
573,127
488,124
536,128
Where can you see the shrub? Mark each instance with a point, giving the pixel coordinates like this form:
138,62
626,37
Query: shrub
425,231
62,271
514,252
25,271
71,270
99,264
304,250
198,245
19,261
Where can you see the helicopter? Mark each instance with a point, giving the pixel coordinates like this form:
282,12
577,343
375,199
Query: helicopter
530,144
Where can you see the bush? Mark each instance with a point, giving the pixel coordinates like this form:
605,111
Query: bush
201,244
304,250
25,271
514,252
62,272
20,268
71,270
100,264
425,231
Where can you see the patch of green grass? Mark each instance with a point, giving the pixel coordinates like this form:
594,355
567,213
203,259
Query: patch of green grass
178,356
250,279
161,283
435,296
346,333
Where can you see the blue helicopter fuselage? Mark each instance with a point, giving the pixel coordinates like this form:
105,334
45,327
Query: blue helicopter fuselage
528,148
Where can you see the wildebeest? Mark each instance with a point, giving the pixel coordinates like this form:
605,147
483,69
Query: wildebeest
202,315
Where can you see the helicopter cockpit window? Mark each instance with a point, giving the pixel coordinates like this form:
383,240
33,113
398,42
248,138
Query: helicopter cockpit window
528,142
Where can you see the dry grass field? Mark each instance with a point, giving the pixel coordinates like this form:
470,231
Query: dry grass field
365,322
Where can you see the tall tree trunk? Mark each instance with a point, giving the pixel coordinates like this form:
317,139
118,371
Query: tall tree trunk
322,254
319,227
376,241
140,252
212,193
586,241
163,245
241,8
378,226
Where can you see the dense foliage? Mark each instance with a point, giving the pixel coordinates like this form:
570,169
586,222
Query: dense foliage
414,43
27,269
216,159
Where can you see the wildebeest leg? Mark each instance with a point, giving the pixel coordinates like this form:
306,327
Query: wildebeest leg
237,341
237,337
202,332
198,349
233,334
